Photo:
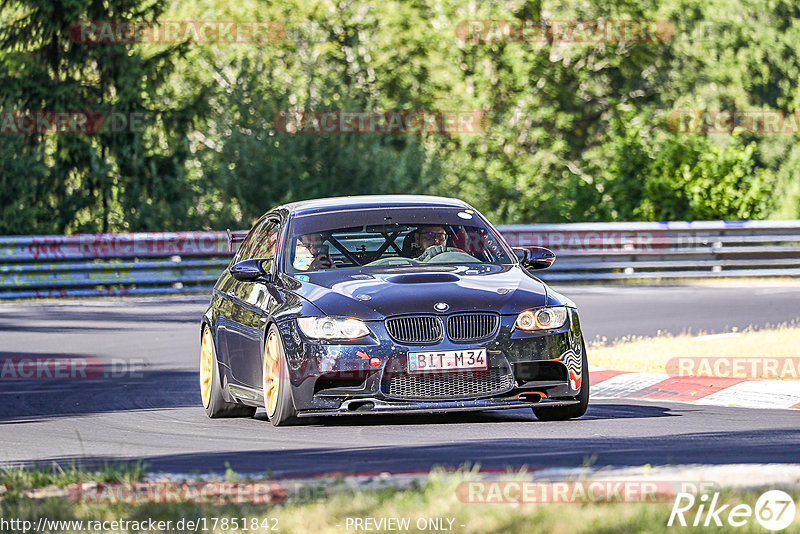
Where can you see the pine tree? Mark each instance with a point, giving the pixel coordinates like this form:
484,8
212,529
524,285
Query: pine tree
124,176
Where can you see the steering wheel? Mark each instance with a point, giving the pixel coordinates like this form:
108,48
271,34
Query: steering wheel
435,250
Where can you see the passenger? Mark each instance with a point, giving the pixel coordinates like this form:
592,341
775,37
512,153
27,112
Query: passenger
312,254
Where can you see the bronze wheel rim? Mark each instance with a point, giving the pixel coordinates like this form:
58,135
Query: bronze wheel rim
206,366
271,374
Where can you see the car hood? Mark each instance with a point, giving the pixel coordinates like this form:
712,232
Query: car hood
373,295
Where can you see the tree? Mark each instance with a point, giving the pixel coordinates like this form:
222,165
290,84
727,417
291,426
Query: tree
132,179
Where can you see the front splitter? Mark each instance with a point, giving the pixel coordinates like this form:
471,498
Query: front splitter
367,406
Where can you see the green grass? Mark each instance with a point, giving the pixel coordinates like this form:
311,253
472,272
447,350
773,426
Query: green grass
16,481
321,508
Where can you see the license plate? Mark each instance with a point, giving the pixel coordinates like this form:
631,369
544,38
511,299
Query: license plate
447,360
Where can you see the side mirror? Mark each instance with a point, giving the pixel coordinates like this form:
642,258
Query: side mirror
251,270
535,257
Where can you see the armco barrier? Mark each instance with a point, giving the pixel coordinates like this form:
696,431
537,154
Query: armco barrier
110,264
655,250
153,263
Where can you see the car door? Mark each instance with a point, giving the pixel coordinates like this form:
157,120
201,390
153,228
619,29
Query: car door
251,302
224,294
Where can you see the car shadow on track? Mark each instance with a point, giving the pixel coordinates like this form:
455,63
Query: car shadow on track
388,420
611,410
595,411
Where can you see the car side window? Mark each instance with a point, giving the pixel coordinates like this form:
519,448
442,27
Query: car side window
247,244
265,243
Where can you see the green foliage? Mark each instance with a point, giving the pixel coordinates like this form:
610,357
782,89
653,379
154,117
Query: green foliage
130,180
577,131
257,166
680,177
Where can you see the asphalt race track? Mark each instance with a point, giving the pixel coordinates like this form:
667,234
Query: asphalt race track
156,414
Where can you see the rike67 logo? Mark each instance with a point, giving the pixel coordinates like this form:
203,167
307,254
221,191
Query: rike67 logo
774,510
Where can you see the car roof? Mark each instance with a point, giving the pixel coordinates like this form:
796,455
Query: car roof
323,205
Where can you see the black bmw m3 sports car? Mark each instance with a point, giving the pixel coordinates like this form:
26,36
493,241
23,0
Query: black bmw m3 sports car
387,304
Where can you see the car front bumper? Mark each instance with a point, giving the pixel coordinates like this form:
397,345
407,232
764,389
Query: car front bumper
529,369
365,406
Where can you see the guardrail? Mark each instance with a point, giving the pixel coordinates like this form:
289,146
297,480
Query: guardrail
656,250
158,263
110,264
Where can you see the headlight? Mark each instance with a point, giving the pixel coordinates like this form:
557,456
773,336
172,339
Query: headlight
332,328
542,319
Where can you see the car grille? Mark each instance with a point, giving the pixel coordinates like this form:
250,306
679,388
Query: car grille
449,386
461,328
415,330
464,328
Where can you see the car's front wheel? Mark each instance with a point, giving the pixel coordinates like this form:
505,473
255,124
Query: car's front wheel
562,413
210,385
277,390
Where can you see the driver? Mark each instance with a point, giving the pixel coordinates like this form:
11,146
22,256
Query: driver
311,254
431,240
429,236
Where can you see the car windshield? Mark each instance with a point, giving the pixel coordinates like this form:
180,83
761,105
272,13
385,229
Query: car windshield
389,238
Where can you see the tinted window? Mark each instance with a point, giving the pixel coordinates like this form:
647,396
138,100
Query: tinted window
390,238
266,242
247,244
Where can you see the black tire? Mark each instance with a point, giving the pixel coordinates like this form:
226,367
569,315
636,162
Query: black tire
573,411
285,413
218,407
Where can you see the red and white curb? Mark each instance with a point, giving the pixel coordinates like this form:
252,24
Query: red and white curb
608,384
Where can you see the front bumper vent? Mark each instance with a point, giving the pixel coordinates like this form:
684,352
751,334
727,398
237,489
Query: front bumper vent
454,385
